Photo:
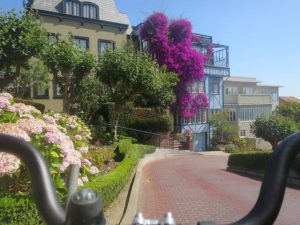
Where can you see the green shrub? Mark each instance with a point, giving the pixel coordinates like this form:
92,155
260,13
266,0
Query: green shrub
152,125
230,148
125,146
145,149
255,160
18,210
242,144
133,140
147,119
101,156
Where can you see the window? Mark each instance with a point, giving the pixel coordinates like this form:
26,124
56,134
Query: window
194,87
58,91
185,120
232,114
275,96
199,117
197,87
72,8
247,90
273,91
89,11
243,133
231,91
144,46
203,118
83,42
214,111
105,45
39,92
250,114
216,89
200,49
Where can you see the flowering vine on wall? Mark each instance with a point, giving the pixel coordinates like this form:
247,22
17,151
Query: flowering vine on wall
171,45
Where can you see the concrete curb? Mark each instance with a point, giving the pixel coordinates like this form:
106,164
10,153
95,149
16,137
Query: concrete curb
133,207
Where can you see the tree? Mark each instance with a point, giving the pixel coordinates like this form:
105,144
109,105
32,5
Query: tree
33,74
64,56
290,110
223,129
92,93
128,73
163,96
21,37
273,128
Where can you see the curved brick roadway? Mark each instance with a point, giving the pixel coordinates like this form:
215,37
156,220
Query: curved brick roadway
197,188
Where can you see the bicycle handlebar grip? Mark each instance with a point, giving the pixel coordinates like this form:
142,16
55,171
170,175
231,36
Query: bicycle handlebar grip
85,208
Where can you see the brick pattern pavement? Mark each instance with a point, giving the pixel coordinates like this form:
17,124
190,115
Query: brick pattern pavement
198,188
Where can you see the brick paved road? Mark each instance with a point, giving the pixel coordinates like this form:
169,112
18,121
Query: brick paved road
197,188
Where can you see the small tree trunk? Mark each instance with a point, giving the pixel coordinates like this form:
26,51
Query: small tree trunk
274,145
66,104
117,112
116,127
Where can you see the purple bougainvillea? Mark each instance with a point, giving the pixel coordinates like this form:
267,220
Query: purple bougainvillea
171,45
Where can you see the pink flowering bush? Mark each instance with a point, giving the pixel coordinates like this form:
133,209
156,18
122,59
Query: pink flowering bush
171,44
61,138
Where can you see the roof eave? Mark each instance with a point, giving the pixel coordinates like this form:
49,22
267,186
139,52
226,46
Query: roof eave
82,20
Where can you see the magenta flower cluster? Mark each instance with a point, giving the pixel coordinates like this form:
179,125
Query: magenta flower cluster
171,45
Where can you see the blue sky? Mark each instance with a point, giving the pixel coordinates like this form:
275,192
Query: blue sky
263,35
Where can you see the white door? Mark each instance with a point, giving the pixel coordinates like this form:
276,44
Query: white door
199,142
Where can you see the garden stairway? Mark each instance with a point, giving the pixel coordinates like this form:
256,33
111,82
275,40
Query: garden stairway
170,143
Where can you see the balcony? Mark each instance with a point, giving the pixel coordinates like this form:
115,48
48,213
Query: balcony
216,70
242,99
218,64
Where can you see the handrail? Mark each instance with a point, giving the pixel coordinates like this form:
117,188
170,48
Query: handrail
145,132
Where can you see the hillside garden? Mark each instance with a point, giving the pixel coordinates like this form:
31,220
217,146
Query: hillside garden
85,133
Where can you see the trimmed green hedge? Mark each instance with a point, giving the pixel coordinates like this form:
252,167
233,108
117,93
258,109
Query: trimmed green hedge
256,160
110,184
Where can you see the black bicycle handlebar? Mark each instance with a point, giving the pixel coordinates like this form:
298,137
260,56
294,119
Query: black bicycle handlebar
42,185
84,207
264,212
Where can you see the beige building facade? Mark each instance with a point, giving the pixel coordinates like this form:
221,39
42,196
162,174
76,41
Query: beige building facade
96,25
245,98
